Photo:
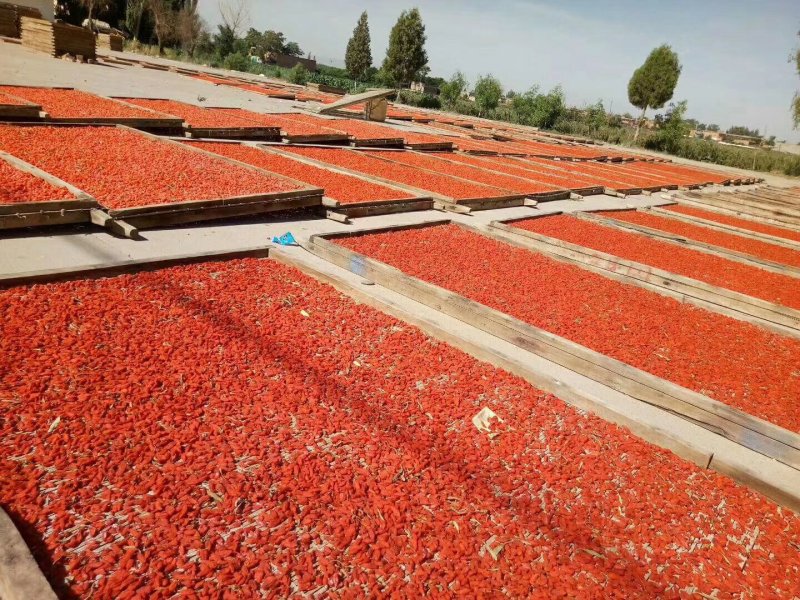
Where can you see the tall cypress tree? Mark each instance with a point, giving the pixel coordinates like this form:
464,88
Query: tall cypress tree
406,57
358,58
653,84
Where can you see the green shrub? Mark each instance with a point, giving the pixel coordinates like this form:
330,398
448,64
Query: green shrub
298,74
237,62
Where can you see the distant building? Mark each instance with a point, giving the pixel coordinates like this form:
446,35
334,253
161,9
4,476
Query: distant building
714,136
287,61
424,88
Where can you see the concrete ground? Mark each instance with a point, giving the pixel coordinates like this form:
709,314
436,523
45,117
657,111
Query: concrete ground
28,253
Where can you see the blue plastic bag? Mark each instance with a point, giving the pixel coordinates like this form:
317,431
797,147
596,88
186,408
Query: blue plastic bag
287,239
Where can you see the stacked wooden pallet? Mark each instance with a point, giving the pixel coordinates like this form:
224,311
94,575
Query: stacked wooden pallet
8,21
110,41
57,38
10,15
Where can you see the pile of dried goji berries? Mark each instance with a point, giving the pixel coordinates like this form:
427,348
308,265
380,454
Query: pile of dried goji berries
691,211
344,188
737,363
715,270
437,183
122,168
239,429
18,186
700,233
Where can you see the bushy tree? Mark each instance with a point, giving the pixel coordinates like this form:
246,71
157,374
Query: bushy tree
537,109
653,84
358,57
743,130
453,89
406,58
298,74
488,92
672,131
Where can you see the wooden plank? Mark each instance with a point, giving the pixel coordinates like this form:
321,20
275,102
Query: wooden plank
355,99
777,318
677,240
724,227
752,208
386,207
734,212
304,195
181,215
751,432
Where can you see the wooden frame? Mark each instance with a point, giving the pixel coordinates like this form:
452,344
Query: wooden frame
730,202
157,123
678,240
157,215
54,212
485,203
777,318
744,429
733,211
723,227
343,212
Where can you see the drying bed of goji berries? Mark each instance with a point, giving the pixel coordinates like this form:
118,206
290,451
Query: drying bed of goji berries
346,189
353,127
292,126
700,233
61,103
700,175
194,116
691,211
122,168
709,268
239,429
18,187
9,100
614,179
734,362
509,167
434,182
439,163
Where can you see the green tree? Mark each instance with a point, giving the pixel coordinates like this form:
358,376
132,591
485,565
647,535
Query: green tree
672,131
488,92
743,130
537,109
712,127
292,49
653,84
406,58
452,90
358,57
298,74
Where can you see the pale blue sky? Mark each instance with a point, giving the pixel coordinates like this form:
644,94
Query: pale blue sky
734,53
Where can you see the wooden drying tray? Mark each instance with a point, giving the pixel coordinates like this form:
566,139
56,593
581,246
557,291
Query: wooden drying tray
735,425
159,121
707,202
162,215
489,202
677,240
54,212
723,227
781,319
419,200
620,191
